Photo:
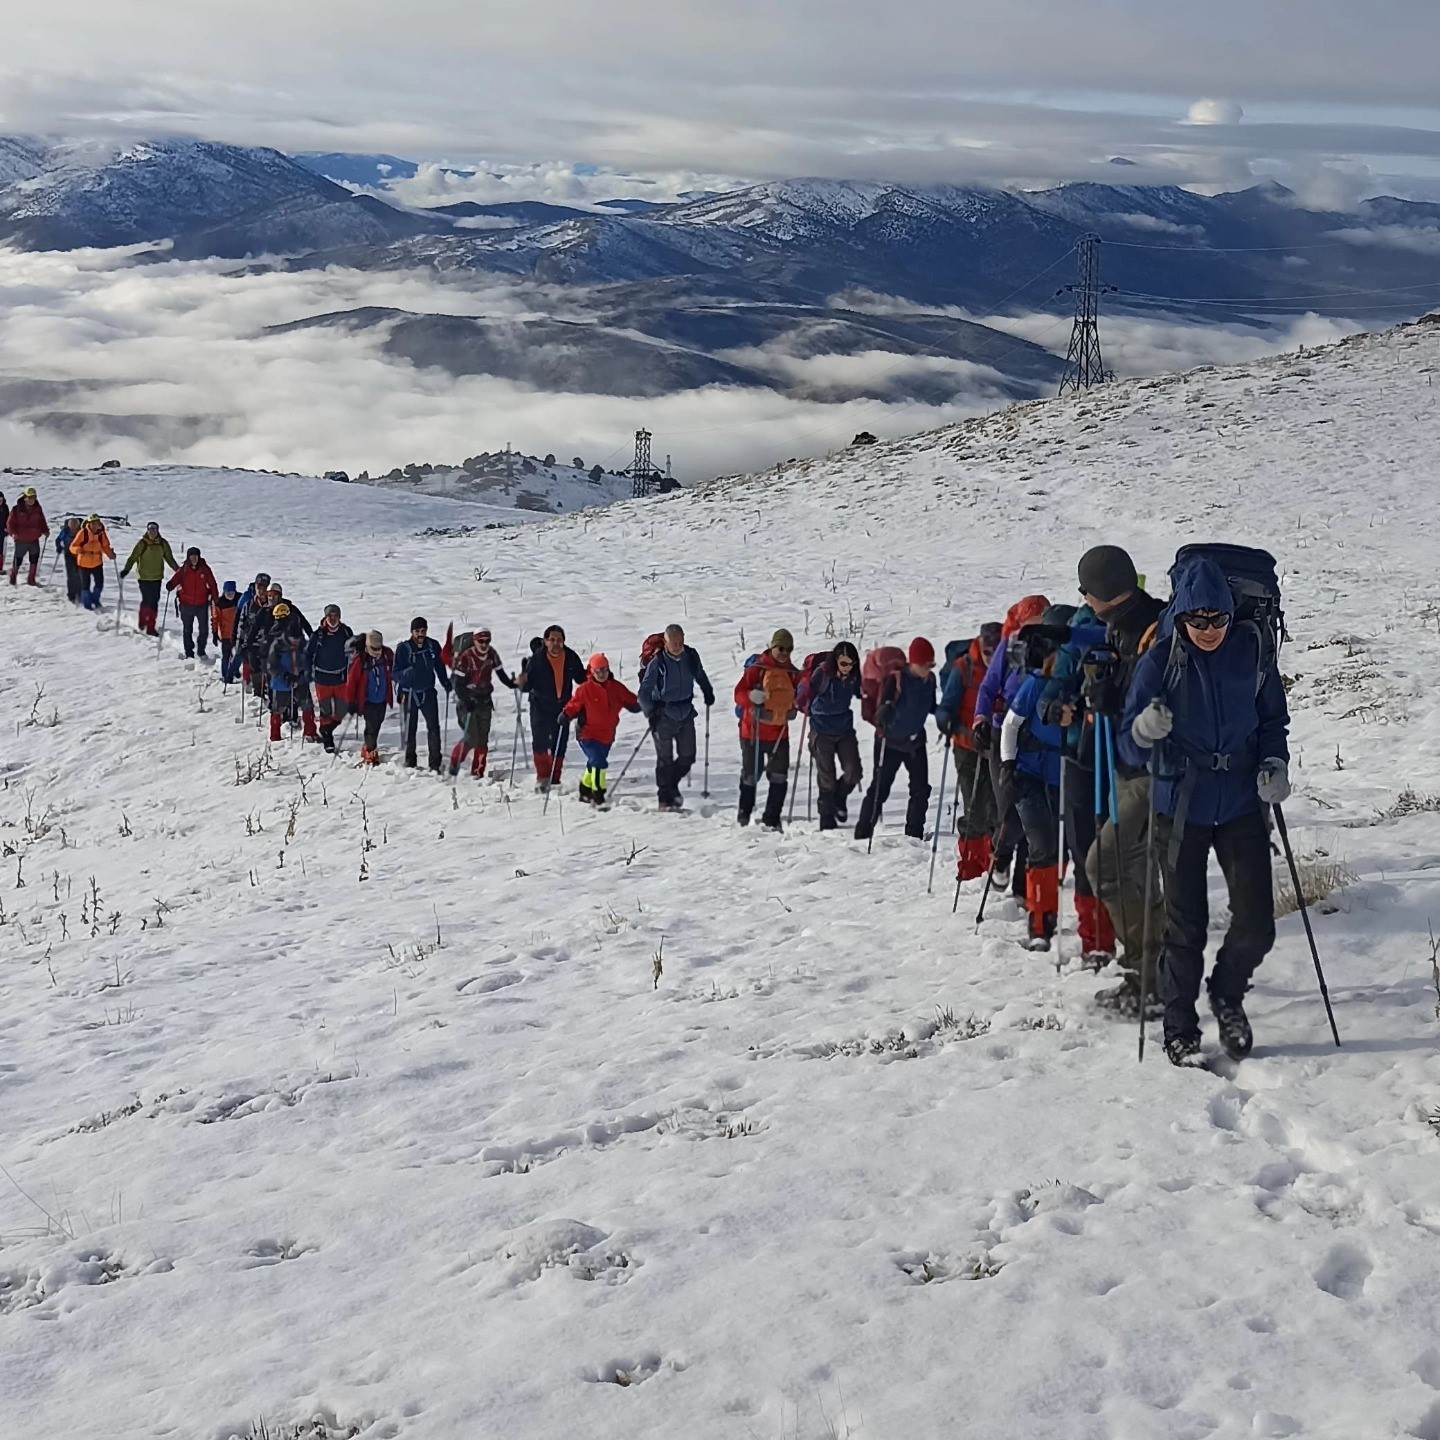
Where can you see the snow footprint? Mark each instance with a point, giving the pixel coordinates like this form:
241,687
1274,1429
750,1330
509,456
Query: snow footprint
1344,1271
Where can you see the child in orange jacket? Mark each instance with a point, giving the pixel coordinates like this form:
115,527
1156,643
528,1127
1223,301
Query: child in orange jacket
601,699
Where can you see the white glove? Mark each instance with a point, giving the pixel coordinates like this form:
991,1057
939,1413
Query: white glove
1153,723
757,697
1273,782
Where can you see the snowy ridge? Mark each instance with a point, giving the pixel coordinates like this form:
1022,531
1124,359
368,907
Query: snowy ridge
437,1152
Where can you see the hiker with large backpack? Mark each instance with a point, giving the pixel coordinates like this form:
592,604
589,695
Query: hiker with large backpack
1118,867
1003,677
1032,752
289,669
476,667
1207,715
68,531
195,582
255,632
222,627
670,672
549,677
829,687
899,700
966,664
598,703
765,703
419,670
27,526
370,691
329,652
152,553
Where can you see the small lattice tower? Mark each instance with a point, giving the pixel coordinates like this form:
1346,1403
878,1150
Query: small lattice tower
1084,365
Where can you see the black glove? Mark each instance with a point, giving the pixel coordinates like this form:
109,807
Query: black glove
983,733
884,715
1007,772
944,723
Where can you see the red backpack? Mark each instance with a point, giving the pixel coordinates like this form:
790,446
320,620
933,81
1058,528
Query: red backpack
880,667
650,647
803,695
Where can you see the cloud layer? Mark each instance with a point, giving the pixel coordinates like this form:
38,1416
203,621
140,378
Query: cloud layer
176,357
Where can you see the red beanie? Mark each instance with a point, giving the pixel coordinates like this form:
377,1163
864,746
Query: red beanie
922,652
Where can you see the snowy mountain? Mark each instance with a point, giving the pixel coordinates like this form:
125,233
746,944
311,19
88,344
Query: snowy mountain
420,1112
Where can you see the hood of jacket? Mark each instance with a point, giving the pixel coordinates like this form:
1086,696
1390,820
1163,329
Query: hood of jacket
1202,585
1024,612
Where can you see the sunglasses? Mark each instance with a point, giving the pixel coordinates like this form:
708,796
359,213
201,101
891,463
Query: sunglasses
782,649
846,661
1201,621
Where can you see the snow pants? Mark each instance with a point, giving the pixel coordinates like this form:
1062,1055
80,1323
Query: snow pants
674,755
427,704
28,552
1010,845
1038,805
375,712
545,728
292,704
772,758
1243,849
149,605
72,577
975,825
195,621
1097,935
888,762
837,773
1116,868
92,582
475,729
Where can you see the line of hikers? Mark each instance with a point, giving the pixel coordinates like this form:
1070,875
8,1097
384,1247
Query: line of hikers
1125,737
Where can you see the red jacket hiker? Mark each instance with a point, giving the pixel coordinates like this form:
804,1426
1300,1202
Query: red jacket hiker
196,584
357,682
27,523
602,702
973,665
777,679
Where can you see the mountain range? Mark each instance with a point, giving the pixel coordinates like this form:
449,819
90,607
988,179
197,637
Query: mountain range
750,287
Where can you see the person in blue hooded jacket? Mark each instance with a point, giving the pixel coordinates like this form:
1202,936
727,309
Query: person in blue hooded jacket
906,703
829,695
1223,731
419,669
667,696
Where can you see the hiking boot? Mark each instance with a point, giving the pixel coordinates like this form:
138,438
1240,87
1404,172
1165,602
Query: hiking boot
327,739
1096,960
454,768
1235,1036
999,874
1184,1051
1038,943
1124,1000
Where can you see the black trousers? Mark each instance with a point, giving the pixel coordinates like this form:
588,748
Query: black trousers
1243,849
428,705
888,761
1010,842
73,582
837,773
191,617
674,755
773,759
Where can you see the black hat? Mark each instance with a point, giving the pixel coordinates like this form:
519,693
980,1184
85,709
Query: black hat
1107,572
193,550
419,623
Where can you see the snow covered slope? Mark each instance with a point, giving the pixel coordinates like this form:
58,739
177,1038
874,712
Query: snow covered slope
345,1096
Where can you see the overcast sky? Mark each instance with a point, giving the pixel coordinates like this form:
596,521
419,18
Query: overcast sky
1336,94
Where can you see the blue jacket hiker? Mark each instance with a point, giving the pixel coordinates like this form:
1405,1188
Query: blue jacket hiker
667,698
419,669
900,740
827,693
1205,701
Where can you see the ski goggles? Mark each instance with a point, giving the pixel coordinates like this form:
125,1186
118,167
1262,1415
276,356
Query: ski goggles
1207,620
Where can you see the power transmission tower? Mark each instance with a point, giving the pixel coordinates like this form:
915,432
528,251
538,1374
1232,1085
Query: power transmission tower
644,478
1084,365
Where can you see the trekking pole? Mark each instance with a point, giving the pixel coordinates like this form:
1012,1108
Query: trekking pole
795,787
705,784
1149,891
556,758
939,810
984,896
875,781
1305,916
445,727
649,733
810,780
120,599
955,804
164,620
1064,865
515,743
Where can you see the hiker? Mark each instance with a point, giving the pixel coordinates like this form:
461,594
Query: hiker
668,679
297,615
328,653
68,531
1117,863
765,700
549,677
828,690
1224,760
289,669
198,591
222,627
370,691
906,702
419,670
1063,703
473,676
239,666
254,633
1002,680
27,527
600,700
91,548
4,519
955,717
152,553
1031,752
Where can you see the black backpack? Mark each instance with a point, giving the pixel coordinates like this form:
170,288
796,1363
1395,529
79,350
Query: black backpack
1255,589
